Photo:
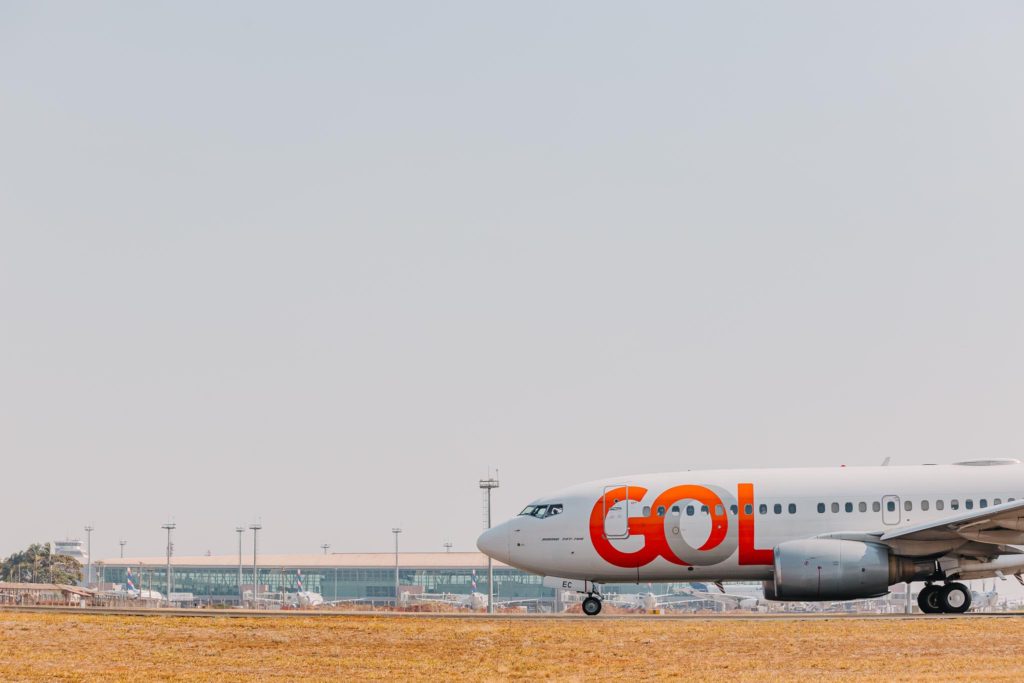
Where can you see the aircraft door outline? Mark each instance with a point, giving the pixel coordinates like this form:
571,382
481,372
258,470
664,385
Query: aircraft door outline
616,513
891,510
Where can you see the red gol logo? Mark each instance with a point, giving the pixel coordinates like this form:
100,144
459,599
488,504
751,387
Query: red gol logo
656,542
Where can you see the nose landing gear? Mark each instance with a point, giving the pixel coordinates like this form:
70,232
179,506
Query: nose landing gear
592,605
953,598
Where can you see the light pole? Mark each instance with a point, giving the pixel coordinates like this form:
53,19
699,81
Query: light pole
326,547
122,543
241,597
447,546
255,575
488,485
88,549
396,531
169,526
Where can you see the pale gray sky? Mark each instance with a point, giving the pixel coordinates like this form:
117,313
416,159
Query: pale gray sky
324,263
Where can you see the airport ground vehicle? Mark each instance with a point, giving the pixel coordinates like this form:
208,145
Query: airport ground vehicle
810,534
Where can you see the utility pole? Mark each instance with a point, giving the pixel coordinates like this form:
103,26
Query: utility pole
488,485
326,547
255,570
169,526
122,543
396,531
241,597
88,549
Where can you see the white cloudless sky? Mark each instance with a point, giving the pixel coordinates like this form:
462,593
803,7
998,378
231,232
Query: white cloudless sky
325,263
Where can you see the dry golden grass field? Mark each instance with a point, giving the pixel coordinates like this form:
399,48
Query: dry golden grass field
72,647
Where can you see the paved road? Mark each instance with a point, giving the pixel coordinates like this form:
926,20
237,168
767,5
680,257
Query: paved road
326,614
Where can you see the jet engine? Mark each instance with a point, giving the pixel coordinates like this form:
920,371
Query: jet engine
835,569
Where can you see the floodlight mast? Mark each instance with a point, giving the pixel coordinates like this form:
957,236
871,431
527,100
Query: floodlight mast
88,548
169,526
396,531
122,542
488,485
256,526
241,596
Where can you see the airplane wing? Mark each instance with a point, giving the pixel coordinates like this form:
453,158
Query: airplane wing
976,534
982,533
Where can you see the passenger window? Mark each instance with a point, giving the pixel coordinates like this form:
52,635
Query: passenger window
763,509
997,501
661,510
719,511
733,509
862,506
690,510
675,510
940,504
890,505
849,507
1010,500
924,505
821,508
777,508
908,505
704,509
792,508
954,504
983,503
876,506
647,510
557,510
969,504
835,507
748,509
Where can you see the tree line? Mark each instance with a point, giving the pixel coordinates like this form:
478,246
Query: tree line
39,564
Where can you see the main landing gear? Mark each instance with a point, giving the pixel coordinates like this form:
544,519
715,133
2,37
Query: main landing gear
592,605
953,598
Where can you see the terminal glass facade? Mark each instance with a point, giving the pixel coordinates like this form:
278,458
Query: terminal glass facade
220,584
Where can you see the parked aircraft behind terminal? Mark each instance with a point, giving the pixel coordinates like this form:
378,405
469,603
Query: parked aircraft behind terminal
809,534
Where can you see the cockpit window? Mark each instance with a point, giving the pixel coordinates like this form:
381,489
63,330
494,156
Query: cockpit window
534,510
541,511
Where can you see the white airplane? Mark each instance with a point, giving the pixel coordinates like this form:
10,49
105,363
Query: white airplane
473,601
810,534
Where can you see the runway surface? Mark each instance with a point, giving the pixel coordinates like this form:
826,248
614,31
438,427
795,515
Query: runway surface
505,616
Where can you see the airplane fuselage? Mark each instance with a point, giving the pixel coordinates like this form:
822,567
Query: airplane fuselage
723,525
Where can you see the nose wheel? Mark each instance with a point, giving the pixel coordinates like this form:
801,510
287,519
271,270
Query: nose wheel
591,606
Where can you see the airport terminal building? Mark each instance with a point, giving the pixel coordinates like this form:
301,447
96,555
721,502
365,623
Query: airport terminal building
336,576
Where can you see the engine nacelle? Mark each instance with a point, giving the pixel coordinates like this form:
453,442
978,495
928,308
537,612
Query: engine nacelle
835,569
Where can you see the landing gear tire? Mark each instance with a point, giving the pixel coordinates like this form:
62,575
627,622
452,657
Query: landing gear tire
591,606
955,598
928,599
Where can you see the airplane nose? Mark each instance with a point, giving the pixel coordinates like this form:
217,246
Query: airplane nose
494,542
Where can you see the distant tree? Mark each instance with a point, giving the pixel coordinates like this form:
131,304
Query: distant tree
37,564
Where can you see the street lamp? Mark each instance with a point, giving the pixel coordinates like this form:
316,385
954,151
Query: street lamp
447,546
488,485
326,547
256,526
240,530
88,549
396,531
122,543
169,526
